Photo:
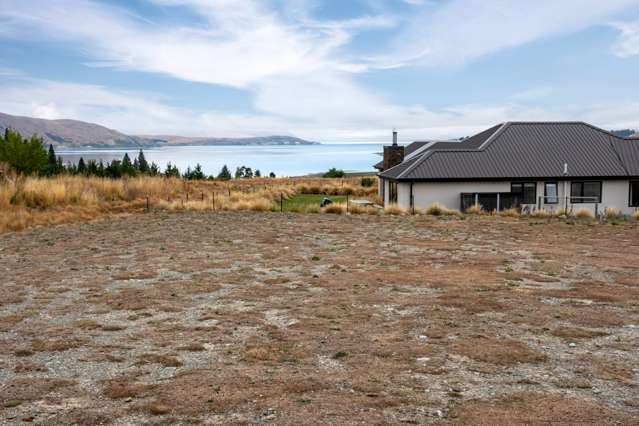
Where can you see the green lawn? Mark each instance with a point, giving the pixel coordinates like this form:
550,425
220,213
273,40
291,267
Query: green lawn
303,200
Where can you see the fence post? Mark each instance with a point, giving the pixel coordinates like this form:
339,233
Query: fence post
148,207
202,196
187,197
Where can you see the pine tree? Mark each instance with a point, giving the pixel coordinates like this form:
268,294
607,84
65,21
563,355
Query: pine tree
127,166
143,165
258,173
52,163
225,173
82,167
171,171
271,175
154,170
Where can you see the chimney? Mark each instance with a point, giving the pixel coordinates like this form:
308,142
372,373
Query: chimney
393,154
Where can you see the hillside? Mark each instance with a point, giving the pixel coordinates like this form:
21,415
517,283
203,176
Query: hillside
79,134
68,133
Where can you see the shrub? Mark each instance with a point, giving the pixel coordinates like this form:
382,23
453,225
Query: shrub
475,209
436,209
335,208
584,213
540,214
612,213
367,182
635,215
394,209
334,173
512,212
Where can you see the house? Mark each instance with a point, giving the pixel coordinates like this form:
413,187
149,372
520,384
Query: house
527,165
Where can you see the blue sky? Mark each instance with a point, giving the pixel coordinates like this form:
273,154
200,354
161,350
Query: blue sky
327,70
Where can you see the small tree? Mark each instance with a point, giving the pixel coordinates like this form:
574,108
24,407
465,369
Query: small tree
271,175
334,173
258,173
143,165
82,167
52,163
171,171
22,155
154,170
113,170
127,166
225,173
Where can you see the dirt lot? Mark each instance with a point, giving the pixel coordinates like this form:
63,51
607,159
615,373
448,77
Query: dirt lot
253,318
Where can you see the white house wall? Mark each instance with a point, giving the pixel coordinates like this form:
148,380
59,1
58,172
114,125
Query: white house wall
448,193
615,193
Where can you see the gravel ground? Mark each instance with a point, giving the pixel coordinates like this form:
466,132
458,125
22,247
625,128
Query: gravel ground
251,318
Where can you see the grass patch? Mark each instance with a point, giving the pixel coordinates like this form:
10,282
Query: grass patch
300,202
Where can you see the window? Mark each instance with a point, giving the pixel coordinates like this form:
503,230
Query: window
392,192
585,192
634,193
526,190
551,193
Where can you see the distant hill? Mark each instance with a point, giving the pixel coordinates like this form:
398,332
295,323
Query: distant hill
625,133
72,134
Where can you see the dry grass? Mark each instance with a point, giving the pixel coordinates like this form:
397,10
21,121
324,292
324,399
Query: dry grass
395,210
584,213
612,213
335,208
541,214
31,201
500,352
475,209
436,209
635,215
509,213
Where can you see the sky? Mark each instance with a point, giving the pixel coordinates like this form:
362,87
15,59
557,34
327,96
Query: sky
322,70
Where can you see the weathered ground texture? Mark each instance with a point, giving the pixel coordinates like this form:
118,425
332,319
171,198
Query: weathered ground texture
253,318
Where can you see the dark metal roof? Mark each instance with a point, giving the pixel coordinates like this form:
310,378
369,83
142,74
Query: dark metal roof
528,150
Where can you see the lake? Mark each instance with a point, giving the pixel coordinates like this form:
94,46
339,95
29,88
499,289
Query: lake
283,160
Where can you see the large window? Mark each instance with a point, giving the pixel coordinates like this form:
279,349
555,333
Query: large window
392,192
551,193
585,191
527,191
634,193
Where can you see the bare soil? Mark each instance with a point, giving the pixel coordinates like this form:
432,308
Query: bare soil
251,318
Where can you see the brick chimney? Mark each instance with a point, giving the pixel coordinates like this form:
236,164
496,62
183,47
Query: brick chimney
393,154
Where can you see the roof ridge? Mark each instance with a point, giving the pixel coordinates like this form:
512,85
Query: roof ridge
584,123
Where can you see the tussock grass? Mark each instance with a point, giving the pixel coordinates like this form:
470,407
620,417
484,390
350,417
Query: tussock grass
541,214
395,210
635,215
509,213
584,214
335,208
612,213
436,209
475,209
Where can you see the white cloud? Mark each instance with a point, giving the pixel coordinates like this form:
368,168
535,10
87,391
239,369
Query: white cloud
628,43
461,31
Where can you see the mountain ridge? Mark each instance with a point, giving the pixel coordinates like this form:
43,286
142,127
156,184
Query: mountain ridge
75,134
